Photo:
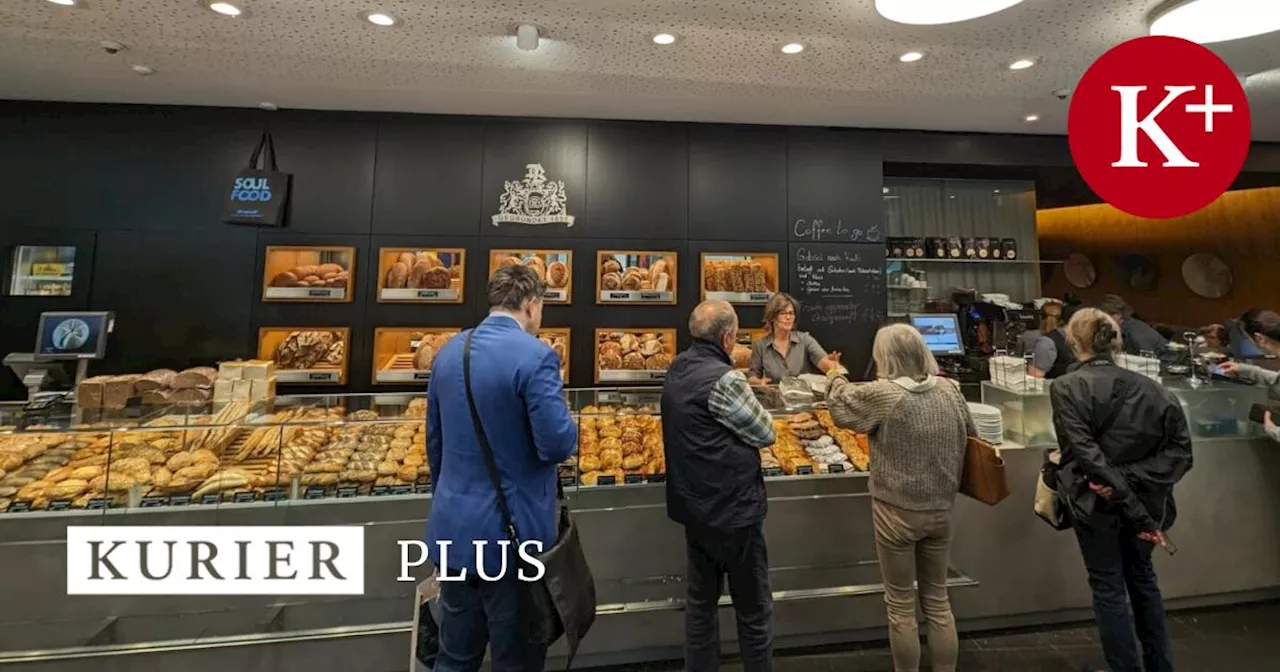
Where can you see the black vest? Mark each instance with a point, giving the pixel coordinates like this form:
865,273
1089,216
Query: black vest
713,478
1064,360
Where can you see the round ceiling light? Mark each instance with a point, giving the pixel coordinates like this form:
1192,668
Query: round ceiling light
911,57
143,70
1031,118
64,3
1209,21
793,48
1022,64
225,8
381,19
664,38
936,12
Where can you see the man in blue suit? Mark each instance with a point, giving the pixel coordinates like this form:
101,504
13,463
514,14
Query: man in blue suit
515,380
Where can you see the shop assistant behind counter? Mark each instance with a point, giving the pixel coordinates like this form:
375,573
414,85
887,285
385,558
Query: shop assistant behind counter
784,352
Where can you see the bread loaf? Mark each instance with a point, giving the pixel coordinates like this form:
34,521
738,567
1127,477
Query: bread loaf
117,392
157,397
398,276
158,379
417,274
199,376
285,279
407,259
89,392
190,395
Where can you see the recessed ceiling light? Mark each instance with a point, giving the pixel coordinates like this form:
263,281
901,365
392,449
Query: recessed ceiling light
793,48
143,70
884,190
268,106
64,3
664,38
1022,64
225,8
1032,117
935,12
1206,21
911,57
381,19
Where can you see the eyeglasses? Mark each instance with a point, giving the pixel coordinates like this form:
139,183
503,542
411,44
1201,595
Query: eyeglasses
787,313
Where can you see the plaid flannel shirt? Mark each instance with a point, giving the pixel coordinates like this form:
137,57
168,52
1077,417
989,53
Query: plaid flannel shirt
734,405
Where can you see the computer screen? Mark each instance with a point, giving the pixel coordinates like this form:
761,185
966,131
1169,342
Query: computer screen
72,335
941,333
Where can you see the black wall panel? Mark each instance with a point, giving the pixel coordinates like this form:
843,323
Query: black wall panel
427,179
637,181
560,147
332,163
834,177
737,182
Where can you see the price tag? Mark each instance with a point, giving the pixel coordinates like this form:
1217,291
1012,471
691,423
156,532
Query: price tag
657,478
319,293
835,468
804,470
212,498
758,296
607,480
243,497
275,495
313,492
325,376
348,491
428,293
49,269
95,504
152,501
60,505
179,500
422,488
378,490
773,471
650,296
19,507
568,481
402,489
618,296
422,375
633,478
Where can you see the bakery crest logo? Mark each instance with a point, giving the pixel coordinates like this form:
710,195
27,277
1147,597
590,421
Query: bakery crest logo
533,200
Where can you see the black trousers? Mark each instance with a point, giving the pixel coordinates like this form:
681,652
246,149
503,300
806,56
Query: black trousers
743,557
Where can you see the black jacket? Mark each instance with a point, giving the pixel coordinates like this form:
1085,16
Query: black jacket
1120,429
714,480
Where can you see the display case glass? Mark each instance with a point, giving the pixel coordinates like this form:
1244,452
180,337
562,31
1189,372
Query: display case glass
306,355
307,274
405,354
555,267
635,277
739,277
421,275
40,270
633,355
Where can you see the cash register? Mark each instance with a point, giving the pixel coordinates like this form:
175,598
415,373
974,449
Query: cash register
62,338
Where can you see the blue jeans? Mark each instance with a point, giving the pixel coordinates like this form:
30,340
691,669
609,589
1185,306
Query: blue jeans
475,614
1119,564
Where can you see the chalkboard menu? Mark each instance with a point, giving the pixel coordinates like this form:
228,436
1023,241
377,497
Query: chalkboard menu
841,290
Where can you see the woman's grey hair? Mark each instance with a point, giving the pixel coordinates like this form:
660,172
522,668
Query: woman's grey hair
511,286
1094,333
899,352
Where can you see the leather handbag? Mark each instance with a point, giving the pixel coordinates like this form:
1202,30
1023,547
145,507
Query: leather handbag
563,601
983,477
1048,503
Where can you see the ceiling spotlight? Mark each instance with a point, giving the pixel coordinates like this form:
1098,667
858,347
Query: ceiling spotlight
1022,64
528,36
64,3
1032,118
268,107
936,12
382,19
911,57
1209,21
225,8
143,70
884,190
664,38
793,48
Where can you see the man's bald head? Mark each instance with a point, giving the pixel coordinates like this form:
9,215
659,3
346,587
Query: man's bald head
713,320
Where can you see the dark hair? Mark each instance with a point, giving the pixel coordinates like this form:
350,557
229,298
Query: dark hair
1217,332
1113,304
1094,333
1259,321
511,286
1051,316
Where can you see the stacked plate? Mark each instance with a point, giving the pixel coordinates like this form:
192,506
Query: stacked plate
989,422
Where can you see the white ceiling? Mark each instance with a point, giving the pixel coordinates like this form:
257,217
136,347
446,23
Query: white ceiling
457,56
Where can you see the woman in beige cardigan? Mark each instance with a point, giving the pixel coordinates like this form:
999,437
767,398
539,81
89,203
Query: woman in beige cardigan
918,425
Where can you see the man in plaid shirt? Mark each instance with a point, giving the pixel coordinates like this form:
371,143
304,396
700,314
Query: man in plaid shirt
713,428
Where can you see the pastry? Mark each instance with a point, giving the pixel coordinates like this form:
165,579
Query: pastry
632,281
611,281
610,266
398,276
557,275
417,273
407,259
436,278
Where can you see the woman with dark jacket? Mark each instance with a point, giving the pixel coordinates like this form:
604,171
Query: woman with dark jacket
1124,444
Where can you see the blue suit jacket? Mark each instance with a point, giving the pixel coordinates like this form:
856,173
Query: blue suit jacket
519,394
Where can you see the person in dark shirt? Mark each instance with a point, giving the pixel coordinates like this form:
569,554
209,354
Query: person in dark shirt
1139,337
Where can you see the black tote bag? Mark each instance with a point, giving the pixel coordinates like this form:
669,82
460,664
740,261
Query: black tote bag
258,196
563,602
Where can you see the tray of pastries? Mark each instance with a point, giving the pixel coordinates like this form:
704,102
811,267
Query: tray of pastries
557,338
811,443
633,356
635,277
620,445
405,354
741,278
554,267
415,275
306,355
308,273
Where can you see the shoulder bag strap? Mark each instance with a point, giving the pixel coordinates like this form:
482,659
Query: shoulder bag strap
489,462
257,151
270,163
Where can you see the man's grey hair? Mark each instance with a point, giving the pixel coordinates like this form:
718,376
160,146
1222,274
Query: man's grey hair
899,351
711,320
512,286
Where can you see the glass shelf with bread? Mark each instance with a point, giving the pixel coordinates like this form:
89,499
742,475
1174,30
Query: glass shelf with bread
633,355
635,277
405,354
554,267
739,278
306,274
306,355
557,338
419,275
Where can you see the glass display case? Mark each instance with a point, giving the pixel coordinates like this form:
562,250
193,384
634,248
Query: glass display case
40,270
1214,409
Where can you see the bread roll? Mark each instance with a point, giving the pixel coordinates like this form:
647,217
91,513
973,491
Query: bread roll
610,266
417,273
285,279
557,275
326,269
407,259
